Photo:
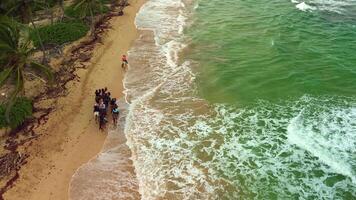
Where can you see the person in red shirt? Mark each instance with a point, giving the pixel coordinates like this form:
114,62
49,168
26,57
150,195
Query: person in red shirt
124,62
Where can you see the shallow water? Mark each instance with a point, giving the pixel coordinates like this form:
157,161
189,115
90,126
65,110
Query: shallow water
110,175
244,100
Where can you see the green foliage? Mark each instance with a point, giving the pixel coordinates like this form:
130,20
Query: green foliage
77,13
51,3
43,4
21,111
15,58
60,33
106,1
21,9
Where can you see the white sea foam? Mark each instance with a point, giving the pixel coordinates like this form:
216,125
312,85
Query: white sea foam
166,19
304,7
259,151
328,136
335,6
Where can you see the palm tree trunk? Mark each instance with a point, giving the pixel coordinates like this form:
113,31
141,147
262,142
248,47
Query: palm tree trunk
61,4
24,9
38,35
92,21
50,12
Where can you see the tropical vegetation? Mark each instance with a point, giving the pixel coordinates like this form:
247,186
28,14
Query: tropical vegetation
21,111
24,10
15,59
88,8
21,35
60,33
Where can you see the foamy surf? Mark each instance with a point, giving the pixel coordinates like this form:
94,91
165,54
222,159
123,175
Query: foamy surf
304,7
334,6
328,137
154,82
186,148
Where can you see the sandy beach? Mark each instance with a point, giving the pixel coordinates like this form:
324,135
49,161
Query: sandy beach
71,138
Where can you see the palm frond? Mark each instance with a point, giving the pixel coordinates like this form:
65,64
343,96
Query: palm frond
9,32
4,75
40,4
4,48
5,35
79,3
47,71
12,9
18,88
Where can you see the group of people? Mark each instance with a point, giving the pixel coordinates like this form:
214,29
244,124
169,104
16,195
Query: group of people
103,103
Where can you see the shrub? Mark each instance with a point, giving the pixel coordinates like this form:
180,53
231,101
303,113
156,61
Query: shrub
21,111
107,1
76,13
44,5
60,33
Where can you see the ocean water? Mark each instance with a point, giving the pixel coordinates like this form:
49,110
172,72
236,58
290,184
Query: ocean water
242,99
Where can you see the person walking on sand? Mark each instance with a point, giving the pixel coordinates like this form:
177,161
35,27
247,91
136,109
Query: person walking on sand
102,108
107,99
124,62
115,114
113,103
102,115
96,112
101,121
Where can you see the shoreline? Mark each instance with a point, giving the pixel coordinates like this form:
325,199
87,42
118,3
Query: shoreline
70,138
111,173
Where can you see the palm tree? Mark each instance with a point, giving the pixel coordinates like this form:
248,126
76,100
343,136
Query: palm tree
15,61
88,7
25,9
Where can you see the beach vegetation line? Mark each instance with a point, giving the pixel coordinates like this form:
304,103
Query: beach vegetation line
15,60
59,33
30,26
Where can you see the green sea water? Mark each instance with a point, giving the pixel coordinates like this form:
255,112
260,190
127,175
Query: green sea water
244,99
282,80
252,50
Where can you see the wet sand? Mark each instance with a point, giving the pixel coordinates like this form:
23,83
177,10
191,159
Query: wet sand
71,138
111,174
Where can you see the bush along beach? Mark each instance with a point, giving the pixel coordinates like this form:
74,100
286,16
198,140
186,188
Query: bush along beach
19,112
22,35
76,13
16,62
59,33
37,61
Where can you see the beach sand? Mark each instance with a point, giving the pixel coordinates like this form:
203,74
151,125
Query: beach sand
71,138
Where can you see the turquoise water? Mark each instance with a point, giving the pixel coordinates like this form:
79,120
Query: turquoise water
270,50
242,99
284,82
